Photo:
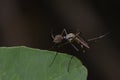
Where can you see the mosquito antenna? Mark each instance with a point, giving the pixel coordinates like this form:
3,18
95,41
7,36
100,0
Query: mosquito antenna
99,37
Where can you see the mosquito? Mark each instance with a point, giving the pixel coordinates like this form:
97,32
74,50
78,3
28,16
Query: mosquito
70,38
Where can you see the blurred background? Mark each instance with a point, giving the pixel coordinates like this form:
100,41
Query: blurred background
29,23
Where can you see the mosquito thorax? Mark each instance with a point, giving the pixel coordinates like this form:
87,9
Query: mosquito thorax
58,39
69,36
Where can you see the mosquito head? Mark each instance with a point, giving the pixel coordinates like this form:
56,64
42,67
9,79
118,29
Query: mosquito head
58,39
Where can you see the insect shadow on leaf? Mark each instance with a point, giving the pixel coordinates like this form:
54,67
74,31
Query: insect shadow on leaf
69,39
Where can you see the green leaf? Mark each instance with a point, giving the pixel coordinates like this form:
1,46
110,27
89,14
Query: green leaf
23,63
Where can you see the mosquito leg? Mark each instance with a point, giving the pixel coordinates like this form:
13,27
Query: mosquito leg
53,59
74,47
56,53
99,37
69,63
52,34
64,31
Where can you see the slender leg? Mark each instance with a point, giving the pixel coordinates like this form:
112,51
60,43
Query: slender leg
55,53
64,31
53,59
52,35
99,37
69,63
71,45
74,47
51,32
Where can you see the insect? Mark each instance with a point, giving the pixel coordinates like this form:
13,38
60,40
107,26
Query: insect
70,38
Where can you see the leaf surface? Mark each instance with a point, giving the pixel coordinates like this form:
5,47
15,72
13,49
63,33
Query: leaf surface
24,63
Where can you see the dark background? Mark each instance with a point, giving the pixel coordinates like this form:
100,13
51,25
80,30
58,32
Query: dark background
29,22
